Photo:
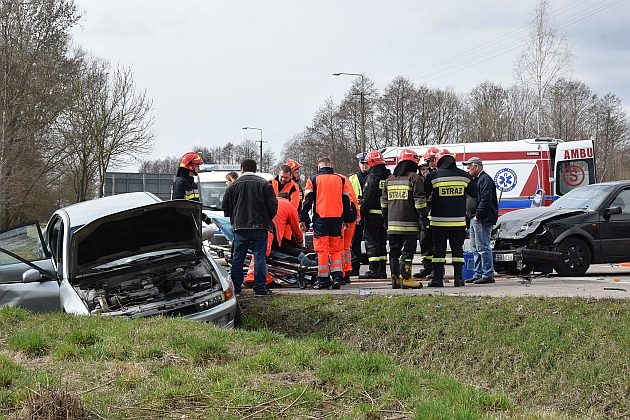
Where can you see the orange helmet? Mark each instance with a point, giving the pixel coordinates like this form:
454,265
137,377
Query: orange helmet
442,153
293,164
408,154
374,158
430,154
190,160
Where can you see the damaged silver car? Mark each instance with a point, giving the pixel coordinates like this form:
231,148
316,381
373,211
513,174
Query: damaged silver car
134,255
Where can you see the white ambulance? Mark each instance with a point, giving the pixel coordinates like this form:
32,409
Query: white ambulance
527,172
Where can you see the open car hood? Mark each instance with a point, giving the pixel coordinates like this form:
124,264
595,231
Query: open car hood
521,223
155,227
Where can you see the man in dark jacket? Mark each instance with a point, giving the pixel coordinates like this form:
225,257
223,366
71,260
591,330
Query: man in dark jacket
481,222
357,180
251,205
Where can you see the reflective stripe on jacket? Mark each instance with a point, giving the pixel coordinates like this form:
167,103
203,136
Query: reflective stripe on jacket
448,188
404,201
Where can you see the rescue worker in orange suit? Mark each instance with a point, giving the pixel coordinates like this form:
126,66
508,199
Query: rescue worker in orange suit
295,172
374,232
405,213
283,182
349,231
358,180
426,242
285,238
327,195
448,187
184,186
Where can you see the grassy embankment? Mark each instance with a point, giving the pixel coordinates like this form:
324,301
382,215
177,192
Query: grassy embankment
301,357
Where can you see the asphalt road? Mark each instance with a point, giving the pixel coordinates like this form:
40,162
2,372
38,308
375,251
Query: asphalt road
600,281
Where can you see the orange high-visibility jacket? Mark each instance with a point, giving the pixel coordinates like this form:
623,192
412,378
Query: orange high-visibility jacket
286,222
291,187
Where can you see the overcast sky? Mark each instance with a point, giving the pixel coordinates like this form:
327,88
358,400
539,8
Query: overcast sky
212,67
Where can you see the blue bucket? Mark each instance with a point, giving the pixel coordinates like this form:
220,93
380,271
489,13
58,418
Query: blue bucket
468,270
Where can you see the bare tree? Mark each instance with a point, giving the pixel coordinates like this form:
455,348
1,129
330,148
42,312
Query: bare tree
611,132
488,113
36,66
546,57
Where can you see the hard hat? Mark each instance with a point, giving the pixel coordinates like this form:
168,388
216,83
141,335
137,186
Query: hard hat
443,153
430,154
374,158
423,163
293,164
361,158
190,160
408,154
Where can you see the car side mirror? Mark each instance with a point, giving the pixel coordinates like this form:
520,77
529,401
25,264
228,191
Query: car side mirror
612,210
31,276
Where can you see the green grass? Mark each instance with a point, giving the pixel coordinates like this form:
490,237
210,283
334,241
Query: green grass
408,357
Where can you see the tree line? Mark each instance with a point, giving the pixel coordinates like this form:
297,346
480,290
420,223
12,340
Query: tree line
66,117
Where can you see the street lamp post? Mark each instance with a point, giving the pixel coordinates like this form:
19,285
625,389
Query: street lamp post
261,142
362,95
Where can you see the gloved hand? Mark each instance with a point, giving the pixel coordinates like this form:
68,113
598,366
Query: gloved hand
423,224
385,223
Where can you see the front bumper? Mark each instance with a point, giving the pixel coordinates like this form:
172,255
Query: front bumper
222,315
525,260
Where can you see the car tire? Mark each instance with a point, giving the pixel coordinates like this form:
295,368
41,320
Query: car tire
575,259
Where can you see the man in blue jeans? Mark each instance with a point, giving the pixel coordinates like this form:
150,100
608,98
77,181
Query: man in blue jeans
481,223
251,205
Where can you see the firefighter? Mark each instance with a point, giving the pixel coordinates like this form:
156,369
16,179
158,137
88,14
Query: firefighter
358,180
327,195
448,187
405,212
283,182
426,244
184,186
374,231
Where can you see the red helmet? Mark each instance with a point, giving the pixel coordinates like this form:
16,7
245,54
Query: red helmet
374,158
190,160
293,164
430,154
408,154
442,153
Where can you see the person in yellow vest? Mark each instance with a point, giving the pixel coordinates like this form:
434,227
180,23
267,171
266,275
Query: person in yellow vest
357,180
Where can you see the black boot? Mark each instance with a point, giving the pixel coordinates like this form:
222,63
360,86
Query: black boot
372,272
382,269
427,269
459,280
438,276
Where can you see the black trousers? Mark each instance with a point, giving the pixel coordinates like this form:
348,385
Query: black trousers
401,246
357,254
455,237
375,239
426,244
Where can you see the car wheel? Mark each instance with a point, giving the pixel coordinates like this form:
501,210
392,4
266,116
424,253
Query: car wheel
575,258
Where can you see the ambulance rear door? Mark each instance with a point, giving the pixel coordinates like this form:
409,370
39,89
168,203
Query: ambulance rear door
574,166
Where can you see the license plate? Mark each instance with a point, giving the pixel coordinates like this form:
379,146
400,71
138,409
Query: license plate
505,257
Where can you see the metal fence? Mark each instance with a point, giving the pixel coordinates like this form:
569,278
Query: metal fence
124,182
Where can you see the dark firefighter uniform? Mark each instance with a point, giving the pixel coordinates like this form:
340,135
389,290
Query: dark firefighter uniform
326,193
405,209
374,232
448,187
185,187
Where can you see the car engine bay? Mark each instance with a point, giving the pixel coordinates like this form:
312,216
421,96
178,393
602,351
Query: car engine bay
168,289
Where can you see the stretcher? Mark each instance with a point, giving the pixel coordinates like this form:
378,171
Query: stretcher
283,268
